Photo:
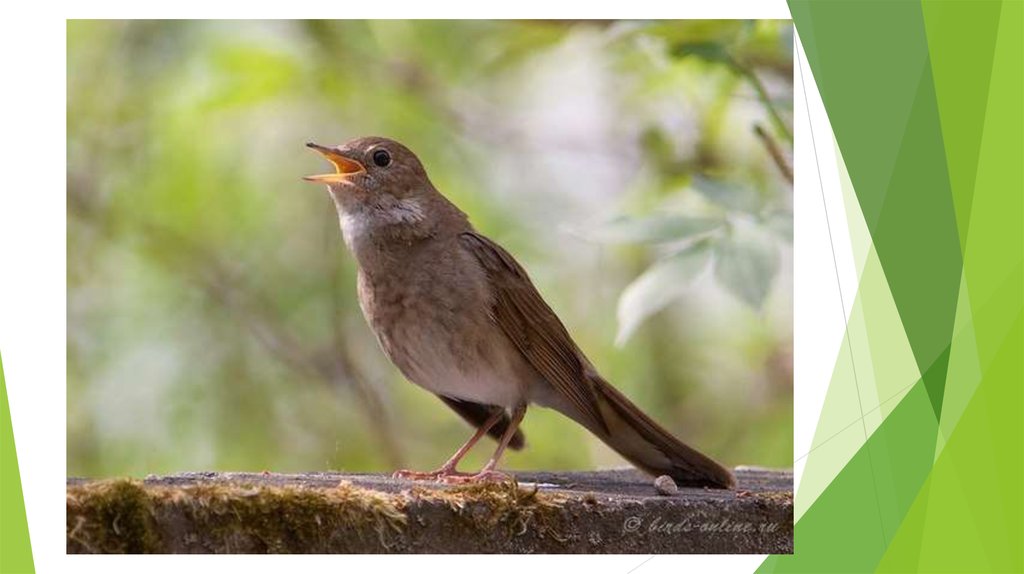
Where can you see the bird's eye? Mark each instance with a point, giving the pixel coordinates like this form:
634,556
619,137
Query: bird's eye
382,158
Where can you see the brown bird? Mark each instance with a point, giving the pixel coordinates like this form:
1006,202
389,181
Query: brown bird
459,317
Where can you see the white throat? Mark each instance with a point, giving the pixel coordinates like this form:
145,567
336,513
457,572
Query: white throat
362,224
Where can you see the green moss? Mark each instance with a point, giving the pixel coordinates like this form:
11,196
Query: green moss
114,516
504,508
117,516
288,519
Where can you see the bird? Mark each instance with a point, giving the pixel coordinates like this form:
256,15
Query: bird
459,316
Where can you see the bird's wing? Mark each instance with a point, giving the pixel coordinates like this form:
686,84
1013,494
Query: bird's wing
533,327
477,414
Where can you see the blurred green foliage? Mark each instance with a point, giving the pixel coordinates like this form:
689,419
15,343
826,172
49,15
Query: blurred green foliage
212,320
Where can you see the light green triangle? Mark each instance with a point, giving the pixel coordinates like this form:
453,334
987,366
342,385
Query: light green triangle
964,372
15,544
893,367
838,436
889,366
885,371
860,235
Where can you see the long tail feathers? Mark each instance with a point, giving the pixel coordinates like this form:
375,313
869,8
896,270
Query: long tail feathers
643,442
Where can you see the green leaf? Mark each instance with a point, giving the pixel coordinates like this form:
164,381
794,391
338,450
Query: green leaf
696,31
709,51
745,264
730,195
780,223
658,286
660,228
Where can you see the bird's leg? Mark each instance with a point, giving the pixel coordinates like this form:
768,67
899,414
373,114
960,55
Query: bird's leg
488,472
448,468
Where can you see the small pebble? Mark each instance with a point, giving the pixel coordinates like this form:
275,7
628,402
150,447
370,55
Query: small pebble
665,485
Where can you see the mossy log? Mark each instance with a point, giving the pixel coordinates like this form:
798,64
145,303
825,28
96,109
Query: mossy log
617,511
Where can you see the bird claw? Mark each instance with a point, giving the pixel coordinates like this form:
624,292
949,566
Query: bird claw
482,476
440,474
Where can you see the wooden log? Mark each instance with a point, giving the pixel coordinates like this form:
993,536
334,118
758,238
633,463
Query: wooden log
613,511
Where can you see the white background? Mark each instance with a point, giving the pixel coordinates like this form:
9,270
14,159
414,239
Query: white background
33,267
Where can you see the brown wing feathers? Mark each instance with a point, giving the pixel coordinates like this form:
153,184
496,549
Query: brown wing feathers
533,327
538,334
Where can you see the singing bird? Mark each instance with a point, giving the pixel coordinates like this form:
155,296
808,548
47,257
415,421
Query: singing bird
459,317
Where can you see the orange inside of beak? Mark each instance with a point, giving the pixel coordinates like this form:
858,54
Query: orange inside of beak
344,167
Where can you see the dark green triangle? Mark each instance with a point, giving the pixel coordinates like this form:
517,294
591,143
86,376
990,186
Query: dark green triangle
916,236
878,91
935,381
872,68
869,61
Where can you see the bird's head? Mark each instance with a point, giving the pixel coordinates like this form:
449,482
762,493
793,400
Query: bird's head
370,166
380,189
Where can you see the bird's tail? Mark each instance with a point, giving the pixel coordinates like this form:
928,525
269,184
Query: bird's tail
643,442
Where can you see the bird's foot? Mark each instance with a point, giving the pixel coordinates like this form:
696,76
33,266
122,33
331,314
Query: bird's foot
482,476
440,474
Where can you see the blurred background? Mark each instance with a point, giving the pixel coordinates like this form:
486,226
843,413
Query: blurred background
639,170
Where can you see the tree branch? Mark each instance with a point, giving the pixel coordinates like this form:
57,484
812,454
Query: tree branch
775,152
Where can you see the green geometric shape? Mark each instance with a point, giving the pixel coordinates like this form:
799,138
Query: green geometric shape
867,61
860,236
961,73
875,349
892,366
908,536
993,255
922,263
849,526
977,477
15,545
839,434
935,382
969,517
874,323
964,373
901,464
874,76
953,257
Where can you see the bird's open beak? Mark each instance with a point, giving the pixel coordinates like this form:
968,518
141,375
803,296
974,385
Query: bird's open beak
345,167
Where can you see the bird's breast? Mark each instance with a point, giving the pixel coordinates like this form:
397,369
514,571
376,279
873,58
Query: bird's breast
431,315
